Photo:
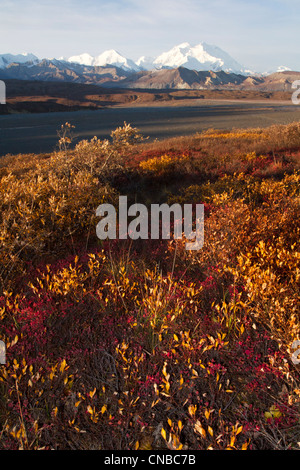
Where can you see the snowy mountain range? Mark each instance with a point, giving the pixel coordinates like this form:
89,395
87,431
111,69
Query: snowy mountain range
110,57
201,57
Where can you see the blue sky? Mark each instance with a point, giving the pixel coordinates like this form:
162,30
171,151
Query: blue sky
259,34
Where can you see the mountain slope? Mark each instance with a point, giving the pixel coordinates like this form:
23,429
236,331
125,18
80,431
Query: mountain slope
55,70
182,78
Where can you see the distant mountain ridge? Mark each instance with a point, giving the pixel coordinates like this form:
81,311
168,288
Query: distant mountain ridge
201,57
182,67
164,79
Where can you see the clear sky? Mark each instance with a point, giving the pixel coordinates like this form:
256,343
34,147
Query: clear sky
260,34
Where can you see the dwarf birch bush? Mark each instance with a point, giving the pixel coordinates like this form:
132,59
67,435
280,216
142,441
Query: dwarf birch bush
141,344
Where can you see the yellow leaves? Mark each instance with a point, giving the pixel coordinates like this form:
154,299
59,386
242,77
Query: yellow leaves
155,401
156,390
126,136
2,313
173,441
92,393
239,430
199,429
94,415
270,272
52,373
164,371
65,281
163,163
250,156
63,366
90,409
14,341
192,410
273,412
232,442
166,384
18,434
234,134
235,431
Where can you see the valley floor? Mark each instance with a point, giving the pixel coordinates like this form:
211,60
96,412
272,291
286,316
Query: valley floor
37,132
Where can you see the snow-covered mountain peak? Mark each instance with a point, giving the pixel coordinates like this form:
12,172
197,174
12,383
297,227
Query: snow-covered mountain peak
200,57
109,57
183,45
82,59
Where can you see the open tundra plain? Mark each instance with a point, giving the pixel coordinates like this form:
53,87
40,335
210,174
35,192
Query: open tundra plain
123,344
37,132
